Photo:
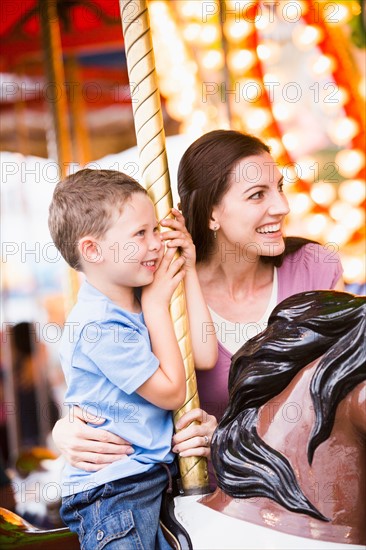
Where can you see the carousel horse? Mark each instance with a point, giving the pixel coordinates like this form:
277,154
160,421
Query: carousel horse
289,452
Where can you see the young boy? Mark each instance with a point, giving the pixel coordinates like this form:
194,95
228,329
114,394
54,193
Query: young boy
104,225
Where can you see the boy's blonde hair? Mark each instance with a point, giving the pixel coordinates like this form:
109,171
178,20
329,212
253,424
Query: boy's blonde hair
85,204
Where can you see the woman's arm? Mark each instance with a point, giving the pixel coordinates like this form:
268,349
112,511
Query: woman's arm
203,335
202,330
339,285
85,447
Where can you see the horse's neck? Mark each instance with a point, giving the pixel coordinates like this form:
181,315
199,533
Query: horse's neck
335,482
285,422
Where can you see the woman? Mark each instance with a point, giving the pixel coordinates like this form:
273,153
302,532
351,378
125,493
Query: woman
233,202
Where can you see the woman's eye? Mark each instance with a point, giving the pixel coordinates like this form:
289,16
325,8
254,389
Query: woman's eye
257,195
141,233
280,187
157,229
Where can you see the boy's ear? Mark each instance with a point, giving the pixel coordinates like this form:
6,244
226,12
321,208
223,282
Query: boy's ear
89,250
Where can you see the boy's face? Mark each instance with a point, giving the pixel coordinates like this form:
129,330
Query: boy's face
131,248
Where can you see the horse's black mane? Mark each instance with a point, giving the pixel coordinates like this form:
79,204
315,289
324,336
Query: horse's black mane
301,329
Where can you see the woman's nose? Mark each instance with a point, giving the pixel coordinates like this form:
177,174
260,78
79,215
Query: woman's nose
279,205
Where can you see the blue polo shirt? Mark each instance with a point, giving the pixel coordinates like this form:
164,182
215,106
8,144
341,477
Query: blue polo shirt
106,356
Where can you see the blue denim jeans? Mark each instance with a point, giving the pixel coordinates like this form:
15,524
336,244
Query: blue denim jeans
120,515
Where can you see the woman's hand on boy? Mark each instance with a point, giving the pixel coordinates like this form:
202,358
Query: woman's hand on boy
178,237
85,447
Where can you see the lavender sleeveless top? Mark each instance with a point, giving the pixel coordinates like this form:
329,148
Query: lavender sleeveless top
312,267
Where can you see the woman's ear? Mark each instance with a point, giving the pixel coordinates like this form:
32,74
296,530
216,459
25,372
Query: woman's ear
89,250
213,224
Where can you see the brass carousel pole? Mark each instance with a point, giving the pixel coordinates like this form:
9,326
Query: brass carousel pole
150,137
59,142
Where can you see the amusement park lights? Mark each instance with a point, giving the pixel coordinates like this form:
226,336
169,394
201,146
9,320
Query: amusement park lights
237,30
229,66
306,37
350,162
352,191
343,130
323,64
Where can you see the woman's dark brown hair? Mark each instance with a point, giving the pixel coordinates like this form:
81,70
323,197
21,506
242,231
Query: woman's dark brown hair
203,180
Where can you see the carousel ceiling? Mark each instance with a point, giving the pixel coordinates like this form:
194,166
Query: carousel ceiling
96,77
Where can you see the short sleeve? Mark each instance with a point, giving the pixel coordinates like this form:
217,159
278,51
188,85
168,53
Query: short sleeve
323,265
312,267
121,353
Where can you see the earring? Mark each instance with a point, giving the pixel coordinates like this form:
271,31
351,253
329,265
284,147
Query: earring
215,231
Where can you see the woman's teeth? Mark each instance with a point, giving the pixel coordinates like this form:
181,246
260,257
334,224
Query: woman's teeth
269,228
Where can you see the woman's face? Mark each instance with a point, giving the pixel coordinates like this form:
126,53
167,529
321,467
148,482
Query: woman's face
251,213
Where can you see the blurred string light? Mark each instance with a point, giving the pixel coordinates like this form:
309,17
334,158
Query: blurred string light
177,70
246,50
323,193
236,31
323,65
343,130
300,204
333,212
212,59
346,130
305,37
189,58
160,20
353,192
222,44
350,162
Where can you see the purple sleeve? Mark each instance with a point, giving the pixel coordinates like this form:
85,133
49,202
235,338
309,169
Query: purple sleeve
312,267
